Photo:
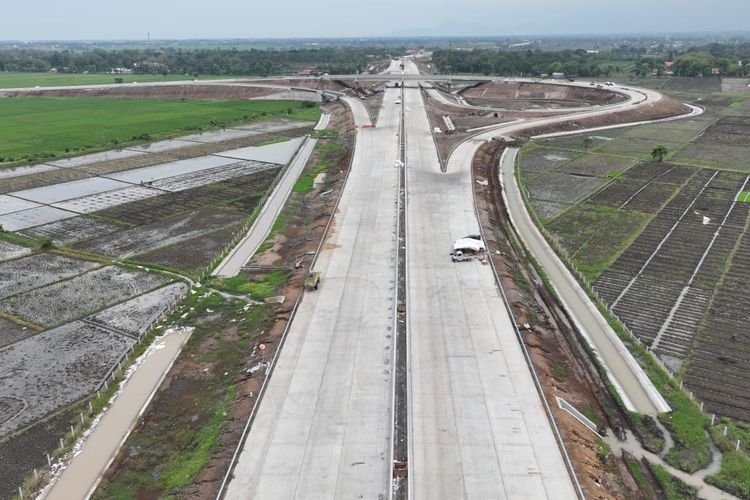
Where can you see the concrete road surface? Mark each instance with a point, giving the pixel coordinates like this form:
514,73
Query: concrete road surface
323,428
82,475
477,427
258,232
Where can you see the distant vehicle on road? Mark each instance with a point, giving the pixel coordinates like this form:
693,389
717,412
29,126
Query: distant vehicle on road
459,256
312,280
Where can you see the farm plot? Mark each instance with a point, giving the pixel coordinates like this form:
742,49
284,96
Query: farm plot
211,176
54,369
576,142
10,250
162,233
189,150
161,207
41,178
714,156
85,294
79,161
10,204
33,217
26,273
719,369
135,316
69,231
594,235
193,254
645,187
661,285
563,188
12,332
7,173
69,190
539,160
107,199
280,153
597,165
634,147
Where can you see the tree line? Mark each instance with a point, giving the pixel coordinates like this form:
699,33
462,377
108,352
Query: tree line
731,59
190,62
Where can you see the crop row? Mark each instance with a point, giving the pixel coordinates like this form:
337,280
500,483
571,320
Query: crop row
663,302
65,301
719,371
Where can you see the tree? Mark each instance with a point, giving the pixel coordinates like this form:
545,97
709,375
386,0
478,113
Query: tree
587,142
659,152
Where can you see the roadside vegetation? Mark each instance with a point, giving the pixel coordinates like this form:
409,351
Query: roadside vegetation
37,128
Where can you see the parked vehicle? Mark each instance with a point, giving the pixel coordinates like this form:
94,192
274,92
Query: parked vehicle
312,280
459,256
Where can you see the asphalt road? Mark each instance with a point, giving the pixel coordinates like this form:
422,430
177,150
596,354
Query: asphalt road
477,425
262,225
323,428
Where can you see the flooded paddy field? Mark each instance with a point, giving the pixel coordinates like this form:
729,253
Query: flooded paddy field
69,308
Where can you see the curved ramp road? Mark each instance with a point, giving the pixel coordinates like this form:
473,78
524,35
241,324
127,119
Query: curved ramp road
477,427
323,428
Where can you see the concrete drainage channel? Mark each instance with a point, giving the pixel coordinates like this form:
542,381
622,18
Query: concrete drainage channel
400,450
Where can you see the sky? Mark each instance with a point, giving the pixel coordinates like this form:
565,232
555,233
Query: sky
133,19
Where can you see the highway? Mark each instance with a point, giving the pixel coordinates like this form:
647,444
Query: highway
477,427
323,428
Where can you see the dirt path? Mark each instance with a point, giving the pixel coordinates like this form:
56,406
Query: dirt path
93,456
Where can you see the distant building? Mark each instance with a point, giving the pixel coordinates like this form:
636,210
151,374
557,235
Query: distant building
715,71
592,51
121,71
558,76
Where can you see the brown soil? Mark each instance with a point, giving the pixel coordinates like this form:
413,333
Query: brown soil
156,92
524,95
557,353
664,108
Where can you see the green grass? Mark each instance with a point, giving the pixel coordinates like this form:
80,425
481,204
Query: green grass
634,466
326,153
22,79
674,489
37,128
734,475
258,290
688,426
744,196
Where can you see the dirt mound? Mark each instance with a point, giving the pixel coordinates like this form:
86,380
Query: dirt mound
665,108
521,95
156,92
